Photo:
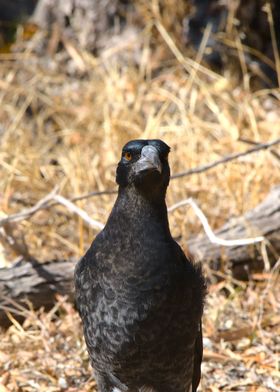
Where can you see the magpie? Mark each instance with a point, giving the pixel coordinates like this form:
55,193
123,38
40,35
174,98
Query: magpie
139,297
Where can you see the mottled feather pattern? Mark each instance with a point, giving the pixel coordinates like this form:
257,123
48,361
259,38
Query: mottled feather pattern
139,297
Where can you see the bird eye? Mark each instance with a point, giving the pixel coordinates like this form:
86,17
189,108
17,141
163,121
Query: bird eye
128,156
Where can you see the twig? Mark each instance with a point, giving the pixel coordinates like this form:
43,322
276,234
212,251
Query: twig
228,158
8,304
50,200
265,256
252,142
210,234
28,212
76,210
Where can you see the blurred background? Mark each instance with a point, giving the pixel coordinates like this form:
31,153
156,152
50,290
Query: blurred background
78,79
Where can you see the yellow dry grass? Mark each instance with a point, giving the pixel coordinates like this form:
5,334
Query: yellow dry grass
67,129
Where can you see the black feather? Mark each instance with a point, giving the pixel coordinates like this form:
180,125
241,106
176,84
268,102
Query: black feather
139,297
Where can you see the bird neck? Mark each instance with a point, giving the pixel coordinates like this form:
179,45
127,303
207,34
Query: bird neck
134,209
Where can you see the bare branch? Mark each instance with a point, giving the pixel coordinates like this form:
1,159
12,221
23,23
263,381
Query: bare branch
50,200
76,210
252,142
209,232
228,158
28,212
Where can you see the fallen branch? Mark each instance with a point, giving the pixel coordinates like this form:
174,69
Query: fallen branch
28,212
30,282
209,232
76,210
99,226
262,221
50,200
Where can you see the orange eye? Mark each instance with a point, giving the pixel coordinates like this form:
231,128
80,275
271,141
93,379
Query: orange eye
128,156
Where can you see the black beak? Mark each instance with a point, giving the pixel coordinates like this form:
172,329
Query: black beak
149,160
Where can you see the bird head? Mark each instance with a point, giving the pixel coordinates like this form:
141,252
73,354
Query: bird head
144,165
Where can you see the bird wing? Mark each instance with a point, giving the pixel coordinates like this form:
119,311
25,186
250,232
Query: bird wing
198,352
86,284
198,297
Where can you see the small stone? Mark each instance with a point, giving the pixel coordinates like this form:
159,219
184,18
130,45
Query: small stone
62,383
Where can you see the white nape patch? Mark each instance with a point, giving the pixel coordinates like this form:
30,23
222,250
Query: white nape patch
116,390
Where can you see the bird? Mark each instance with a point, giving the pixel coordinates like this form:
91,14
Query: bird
139,297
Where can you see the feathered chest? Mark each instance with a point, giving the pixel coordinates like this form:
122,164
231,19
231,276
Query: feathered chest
134,263
136,287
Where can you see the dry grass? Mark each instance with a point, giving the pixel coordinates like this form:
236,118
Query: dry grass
68,128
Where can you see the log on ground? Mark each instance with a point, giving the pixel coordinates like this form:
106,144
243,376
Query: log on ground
31,282
263,220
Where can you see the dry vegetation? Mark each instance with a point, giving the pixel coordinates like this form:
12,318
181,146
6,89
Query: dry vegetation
63,121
